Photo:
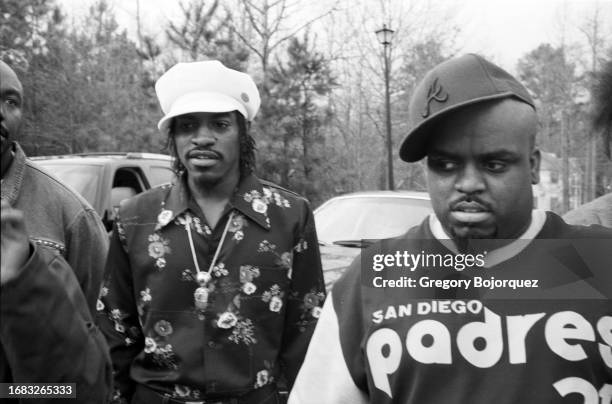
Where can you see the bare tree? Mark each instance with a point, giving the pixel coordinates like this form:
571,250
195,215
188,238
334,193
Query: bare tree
348,35
197,30
205,31
266,27
592,30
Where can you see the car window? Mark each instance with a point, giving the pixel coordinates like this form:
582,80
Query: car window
131,177
160,175
83,178
359,218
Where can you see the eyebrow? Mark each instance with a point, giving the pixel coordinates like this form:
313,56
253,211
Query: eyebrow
501,154
11,91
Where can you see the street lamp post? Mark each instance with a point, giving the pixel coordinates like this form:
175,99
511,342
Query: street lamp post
384,37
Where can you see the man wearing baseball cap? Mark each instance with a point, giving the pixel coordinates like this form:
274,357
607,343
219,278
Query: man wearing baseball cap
487,300
214,283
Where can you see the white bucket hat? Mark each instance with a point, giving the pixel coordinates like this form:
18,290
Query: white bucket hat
206,86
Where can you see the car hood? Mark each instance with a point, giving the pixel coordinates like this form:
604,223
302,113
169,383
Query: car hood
335,260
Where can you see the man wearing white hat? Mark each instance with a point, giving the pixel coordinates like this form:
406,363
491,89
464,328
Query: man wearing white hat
213,283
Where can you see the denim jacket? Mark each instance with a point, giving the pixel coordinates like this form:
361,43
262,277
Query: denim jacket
46,330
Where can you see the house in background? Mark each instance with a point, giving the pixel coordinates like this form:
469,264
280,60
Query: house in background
548,193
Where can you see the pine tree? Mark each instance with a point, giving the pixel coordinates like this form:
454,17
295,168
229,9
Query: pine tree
295,117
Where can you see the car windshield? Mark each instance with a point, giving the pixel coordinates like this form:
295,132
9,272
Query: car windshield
83,178
376,217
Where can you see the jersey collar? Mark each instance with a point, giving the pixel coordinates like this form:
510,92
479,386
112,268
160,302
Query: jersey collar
499,255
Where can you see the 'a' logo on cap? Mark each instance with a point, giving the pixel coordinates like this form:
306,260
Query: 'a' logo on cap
435,93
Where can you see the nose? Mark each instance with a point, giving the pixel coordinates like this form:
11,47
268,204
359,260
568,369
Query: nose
470,180
204,136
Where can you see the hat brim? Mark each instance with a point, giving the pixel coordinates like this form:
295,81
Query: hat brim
201,102
414,146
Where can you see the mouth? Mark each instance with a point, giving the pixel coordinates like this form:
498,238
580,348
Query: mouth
203,158
470,212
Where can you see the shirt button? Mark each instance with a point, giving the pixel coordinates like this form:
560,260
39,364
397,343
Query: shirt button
211,344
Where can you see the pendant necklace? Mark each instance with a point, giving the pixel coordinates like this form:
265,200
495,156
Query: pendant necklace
200,296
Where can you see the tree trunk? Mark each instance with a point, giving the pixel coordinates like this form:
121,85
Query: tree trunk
591,178
286,166
564,165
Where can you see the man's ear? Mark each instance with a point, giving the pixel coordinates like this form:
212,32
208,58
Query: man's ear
248,126
534,161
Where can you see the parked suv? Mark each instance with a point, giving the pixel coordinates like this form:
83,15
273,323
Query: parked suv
105,179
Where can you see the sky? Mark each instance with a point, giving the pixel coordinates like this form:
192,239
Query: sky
507,29
503,30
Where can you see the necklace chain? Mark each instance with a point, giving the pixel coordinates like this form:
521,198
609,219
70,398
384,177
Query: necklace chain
203,279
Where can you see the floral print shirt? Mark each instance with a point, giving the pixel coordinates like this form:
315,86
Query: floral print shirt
260,306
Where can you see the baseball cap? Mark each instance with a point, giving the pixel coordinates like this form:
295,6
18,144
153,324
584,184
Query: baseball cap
205,86
456,83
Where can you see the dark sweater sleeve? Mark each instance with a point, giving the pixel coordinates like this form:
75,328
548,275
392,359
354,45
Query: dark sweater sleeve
87,246
47,329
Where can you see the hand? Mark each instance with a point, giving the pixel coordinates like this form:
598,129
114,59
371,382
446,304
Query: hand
15,243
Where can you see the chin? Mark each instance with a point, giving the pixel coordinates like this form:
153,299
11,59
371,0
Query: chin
207,180
472,232
202,177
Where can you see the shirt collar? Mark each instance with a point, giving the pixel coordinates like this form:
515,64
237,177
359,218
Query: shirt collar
176,202
13,177
249,199
538,217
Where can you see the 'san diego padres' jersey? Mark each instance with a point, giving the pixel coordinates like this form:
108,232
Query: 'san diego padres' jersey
534,328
